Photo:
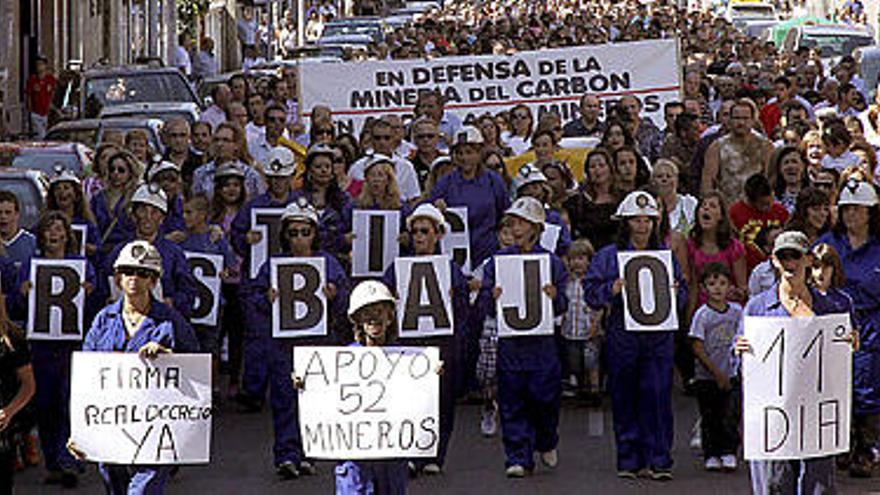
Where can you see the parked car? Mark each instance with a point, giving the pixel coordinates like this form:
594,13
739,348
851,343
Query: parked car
163,111
46,156
90,131
833,40
368,25
750,10
107,86
30,187
868,58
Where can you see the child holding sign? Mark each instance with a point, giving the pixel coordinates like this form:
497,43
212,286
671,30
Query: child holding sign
712,330
371,310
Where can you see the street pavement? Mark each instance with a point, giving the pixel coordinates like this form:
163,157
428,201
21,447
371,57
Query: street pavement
242,463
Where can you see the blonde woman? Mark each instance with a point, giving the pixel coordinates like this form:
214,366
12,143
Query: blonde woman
110,203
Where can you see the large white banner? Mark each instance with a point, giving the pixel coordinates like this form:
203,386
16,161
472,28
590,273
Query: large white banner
368,402
545,80
56,299
424,286
649,295
524,309
797,383
129,410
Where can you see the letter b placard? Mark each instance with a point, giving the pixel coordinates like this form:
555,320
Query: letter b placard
300,307
648,296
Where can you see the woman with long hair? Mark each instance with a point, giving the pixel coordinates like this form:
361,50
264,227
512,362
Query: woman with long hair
812,214
66,195
591,209
111,203
522,124
681,208
321,190
491,132
788,173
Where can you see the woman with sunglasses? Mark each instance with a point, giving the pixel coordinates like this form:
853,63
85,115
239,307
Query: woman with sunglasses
148,209
491,132
51,359
137,323
298,239
320,189
110,203
66,195
791,297
520,136
856,238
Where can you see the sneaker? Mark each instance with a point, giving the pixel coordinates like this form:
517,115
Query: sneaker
287,470
515,471
307,468
660,474
550,458
728,462
489,422
627,474
431,468
712,464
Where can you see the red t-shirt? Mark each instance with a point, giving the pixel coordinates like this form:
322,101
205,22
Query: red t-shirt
748,222
40,92
770,116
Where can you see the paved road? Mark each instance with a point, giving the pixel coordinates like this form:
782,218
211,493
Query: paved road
242,463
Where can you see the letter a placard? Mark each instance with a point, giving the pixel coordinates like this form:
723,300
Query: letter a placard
56,300
523,310
423,285
375,241
797,387
300,307
648,296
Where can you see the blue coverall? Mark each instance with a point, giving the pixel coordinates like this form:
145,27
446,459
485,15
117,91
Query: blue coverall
806,476
639,371
335,223
177,280
254,375
51,362
174,218
164,326
275,356
529,373
116,227
451,348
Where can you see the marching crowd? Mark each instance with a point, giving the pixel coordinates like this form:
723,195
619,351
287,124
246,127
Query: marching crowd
761,180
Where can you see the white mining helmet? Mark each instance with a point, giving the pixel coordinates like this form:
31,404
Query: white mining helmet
139,254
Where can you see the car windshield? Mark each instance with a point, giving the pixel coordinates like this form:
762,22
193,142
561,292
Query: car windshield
29,198
47,162
134,88
835,45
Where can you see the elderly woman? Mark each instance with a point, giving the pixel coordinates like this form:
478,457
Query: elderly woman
137,322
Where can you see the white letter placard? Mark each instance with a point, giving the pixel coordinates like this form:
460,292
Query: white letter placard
797,383
300,307
206,270
375,241
457,242
56,299
523,310
648,294
266,221
128,410
424,287
368,402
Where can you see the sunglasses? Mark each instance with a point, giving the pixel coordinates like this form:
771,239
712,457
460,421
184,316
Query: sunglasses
323,132
130,271
520,116
118,170
421,231
276,119
789,255
381,137
303,232
425,136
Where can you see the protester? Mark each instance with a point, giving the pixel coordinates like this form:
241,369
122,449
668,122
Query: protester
18,386
110,205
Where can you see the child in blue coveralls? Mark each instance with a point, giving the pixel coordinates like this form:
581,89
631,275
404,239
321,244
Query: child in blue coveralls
137,322
639,363
372,311
51,359
713,328
529,371
530,181
200,238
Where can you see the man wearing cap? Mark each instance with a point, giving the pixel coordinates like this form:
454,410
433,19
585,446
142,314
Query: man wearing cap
279,175
856,237
149,206
529,371
482,191
639,363
383,144
791,297
166,176
137,322
426,227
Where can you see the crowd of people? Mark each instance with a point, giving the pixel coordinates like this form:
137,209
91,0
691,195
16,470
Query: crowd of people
761,180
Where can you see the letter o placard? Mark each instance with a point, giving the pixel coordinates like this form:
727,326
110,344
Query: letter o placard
648,296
